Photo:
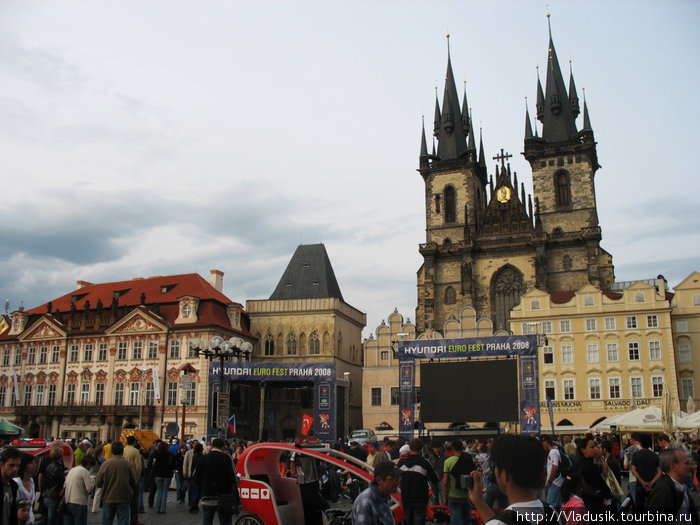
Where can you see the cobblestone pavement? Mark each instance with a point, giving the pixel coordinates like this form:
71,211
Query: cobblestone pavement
178,513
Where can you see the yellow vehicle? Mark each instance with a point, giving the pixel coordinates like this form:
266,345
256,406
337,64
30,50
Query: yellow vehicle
145,437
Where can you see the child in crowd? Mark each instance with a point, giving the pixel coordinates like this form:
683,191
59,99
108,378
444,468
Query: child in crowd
24,507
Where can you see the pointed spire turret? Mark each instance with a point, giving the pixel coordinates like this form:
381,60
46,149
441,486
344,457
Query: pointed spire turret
573,97
558,121
471,145
423,142
528,125
452,142
466,126
586,118
540,98
482,156
436,121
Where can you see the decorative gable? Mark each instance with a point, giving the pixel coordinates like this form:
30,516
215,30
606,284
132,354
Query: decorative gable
234,315
137,321
19,322
44,328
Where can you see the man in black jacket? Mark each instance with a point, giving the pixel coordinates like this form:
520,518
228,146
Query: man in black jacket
416,473
216,479
10,459
670,495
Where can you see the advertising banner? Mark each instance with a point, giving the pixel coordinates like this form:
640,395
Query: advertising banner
407,395
524,346
322,375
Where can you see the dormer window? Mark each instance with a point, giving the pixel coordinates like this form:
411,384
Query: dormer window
187,313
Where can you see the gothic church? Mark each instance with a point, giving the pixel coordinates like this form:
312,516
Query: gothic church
487,242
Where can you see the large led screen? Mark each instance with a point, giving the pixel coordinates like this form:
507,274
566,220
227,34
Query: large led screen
469,391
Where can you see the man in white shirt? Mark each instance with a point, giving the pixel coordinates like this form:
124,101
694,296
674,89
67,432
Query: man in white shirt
554,479
517,463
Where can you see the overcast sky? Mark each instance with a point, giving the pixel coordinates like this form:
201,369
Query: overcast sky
142,138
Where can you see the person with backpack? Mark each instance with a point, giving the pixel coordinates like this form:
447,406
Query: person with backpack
457,465
555,476
517,463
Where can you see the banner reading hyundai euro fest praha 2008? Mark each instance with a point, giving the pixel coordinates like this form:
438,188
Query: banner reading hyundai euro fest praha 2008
322,374
523,346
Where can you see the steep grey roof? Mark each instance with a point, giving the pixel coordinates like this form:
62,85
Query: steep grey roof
309,275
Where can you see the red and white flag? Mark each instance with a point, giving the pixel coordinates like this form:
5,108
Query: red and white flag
306,423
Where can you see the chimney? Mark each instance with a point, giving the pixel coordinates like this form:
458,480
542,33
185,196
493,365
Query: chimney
83,284
217,280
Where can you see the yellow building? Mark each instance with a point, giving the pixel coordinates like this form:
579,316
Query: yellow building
380,379
685,315
605,352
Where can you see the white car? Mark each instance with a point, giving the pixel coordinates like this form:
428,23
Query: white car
362,436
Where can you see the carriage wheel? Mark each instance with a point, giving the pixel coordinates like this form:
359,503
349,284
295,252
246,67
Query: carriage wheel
249,519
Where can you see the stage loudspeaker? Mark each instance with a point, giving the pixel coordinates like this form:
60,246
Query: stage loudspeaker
236,397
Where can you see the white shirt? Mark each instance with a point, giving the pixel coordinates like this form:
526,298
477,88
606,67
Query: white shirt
554,460
526,511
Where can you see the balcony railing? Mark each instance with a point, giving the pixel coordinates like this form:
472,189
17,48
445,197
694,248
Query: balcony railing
74,409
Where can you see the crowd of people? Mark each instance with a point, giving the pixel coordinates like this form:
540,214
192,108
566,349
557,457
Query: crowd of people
511,478
113,478
538,479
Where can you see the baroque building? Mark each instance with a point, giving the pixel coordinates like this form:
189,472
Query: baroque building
110,355
487,242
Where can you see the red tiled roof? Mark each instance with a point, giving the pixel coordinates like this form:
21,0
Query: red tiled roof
566,296
162,296
158,290
561,297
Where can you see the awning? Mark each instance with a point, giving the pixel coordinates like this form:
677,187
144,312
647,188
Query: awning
9,429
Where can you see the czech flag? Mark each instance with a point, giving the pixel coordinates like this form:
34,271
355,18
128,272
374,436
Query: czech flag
306,423
232,425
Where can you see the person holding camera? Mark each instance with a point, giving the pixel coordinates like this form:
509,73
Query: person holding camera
517,462
416,473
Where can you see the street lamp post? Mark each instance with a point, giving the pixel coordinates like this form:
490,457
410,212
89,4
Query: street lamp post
218,348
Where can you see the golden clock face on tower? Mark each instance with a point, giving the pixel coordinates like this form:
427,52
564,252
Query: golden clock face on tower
503,194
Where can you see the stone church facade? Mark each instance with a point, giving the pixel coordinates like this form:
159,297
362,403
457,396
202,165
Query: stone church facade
487,242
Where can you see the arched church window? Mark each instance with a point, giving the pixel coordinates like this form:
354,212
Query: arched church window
450,204
269,345
507,286
314,344
450,295
291,345
566,263
562,187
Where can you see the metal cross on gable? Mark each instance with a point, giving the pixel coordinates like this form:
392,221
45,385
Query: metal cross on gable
503,156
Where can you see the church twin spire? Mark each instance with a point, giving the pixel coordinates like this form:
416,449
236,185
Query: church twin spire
557,108
452,124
